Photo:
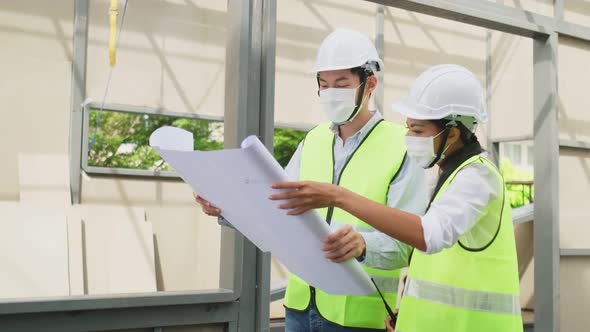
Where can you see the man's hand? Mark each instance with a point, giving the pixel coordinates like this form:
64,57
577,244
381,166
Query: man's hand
207,207
344,244
389,324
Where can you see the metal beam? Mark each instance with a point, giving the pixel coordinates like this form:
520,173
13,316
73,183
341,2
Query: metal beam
277,290
480,13
523,214
78,91
118,319
151,111
573,30
129,172
546,167
98,302
573,144
583,252
510,139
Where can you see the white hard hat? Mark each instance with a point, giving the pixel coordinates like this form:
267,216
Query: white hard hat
445,92
346,49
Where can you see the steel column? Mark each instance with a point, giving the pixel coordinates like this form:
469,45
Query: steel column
78,89
380,46
546,164
249,108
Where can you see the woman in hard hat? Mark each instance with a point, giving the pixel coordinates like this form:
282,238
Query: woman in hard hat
464,275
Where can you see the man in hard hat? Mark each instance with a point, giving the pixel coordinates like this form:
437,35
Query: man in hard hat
464,274
360,151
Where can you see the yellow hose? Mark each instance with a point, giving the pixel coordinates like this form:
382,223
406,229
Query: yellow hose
113,12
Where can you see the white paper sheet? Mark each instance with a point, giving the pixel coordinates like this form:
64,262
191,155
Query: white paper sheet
238,181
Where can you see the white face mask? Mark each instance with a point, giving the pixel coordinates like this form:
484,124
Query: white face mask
421,149
339,104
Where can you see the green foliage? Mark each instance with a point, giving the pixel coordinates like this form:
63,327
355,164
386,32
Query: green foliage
122,140
285,144
518,194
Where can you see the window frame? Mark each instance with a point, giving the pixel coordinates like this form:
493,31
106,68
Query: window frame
117,171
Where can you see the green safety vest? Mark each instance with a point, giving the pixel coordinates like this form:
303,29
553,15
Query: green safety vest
368,172
472,286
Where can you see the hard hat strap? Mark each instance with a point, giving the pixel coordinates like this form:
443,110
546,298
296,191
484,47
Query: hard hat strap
441,147
358,101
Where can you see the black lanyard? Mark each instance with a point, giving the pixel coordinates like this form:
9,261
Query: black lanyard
387,307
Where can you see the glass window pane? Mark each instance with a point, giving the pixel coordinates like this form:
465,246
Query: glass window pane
517,154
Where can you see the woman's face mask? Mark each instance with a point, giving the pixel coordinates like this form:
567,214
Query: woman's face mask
421,149
339,104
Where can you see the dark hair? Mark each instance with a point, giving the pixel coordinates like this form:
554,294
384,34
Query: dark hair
362,72
466,135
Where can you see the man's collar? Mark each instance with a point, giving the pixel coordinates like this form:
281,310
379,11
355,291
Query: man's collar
365,129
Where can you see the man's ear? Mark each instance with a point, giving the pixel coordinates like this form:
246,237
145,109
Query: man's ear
371,84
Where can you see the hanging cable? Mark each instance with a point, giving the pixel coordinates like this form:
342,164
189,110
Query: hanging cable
113,44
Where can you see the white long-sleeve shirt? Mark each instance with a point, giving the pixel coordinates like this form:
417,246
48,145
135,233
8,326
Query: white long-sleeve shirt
458,209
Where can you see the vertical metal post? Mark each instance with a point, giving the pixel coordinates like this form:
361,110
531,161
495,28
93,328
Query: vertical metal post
267,103
546,233
232,326
249,106
558,8
267,95
238,124
488,89
494,148
380,46
78,89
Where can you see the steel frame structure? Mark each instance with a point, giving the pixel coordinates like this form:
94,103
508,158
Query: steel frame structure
241,302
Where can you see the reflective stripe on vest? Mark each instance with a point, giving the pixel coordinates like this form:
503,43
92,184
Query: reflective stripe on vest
463,298
386,284
368,172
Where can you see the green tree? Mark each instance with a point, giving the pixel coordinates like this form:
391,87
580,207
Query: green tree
285,144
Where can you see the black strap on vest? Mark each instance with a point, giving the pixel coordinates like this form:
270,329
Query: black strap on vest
387,307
